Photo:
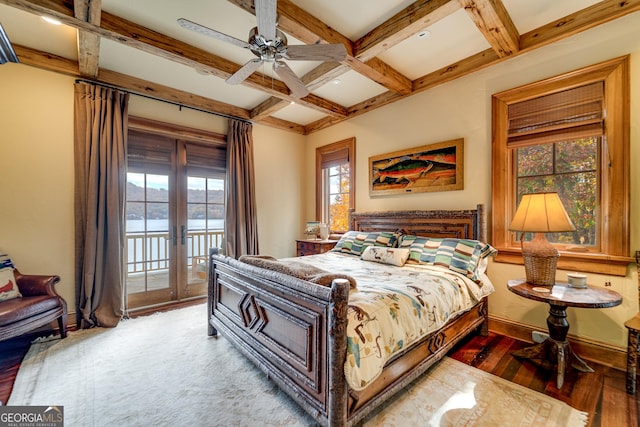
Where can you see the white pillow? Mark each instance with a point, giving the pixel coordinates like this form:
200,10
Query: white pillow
8,286
393,256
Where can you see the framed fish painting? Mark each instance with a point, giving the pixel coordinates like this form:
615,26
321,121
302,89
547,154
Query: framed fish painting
434,167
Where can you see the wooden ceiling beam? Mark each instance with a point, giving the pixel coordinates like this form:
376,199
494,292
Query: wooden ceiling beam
300,24
88,43
131,34
181,52
58,64
582,20
404,24
308,29
268,107
382,73
494,22
284,125
319,76
562,28
46,61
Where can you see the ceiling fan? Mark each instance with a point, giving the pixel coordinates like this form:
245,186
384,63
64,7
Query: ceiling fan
270,45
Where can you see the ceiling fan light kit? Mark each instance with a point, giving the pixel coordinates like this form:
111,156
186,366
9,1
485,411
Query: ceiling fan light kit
270,45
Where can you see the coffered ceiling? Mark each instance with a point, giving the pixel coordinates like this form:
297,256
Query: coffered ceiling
395,48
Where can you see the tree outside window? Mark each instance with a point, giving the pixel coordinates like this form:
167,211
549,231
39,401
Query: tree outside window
338,197
569,168
335,195
568,134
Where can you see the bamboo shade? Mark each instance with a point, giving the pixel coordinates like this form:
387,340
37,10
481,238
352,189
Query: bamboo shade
146,151
206,160
335,158
570,114
151,151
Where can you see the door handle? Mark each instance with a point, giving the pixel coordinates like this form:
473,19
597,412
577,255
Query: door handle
174,236
183,235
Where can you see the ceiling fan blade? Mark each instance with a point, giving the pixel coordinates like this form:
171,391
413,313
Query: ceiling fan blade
193,26
266,15
298,89
245,71
317,52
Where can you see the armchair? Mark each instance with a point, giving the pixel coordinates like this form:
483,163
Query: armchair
39,305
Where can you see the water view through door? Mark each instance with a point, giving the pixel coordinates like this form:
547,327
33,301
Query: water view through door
174,215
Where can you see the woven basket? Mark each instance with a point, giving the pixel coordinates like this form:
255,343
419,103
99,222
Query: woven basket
540,270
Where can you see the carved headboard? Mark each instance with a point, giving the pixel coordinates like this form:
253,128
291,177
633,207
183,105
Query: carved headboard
459,224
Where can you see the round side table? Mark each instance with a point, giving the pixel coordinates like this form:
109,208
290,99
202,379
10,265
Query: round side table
555,350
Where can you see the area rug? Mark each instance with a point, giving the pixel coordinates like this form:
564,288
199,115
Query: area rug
163,370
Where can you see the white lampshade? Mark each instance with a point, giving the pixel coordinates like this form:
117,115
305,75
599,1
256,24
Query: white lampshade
541,213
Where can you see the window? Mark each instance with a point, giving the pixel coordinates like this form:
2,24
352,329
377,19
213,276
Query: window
567,134
335,195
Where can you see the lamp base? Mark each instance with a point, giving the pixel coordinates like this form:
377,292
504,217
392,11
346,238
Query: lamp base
540,260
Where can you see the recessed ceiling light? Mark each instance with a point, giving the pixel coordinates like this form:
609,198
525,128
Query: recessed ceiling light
424,34
336,81
51,20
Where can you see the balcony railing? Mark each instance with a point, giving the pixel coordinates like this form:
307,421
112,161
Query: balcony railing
150,251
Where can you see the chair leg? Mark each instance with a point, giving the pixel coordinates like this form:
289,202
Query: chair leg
632,360
62,324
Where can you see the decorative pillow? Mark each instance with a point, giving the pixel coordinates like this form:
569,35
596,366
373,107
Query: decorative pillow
393,256
460,255
355,242
5,261
8,286
419,250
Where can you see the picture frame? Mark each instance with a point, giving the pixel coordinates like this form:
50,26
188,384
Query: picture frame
433,167
312,229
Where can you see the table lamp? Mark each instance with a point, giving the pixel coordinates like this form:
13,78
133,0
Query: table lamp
540,213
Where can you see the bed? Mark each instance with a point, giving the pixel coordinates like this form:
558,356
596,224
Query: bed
296,331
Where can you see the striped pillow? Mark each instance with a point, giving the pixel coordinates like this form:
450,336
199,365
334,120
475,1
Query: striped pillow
5,261
460,255
355,242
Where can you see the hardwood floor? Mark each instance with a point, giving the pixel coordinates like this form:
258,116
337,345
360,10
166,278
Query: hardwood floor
12,352
601,393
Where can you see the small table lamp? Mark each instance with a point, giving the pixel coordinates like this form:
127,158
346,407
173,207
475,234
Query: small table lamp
540,213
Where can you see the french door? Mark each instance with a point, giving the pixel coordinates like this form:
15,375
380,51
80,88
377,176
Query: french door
174,215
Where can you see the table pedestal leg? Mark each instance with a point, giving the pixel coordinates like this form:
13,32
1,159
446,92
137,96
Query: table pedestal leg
555,350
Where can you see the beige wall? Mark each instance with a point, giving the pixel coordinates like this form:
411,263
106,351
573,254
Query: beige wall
36,165
462,109
36,172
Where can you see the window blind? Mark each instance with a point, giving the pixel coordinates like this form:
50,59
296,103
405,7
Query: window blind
206,160
570,114
154,152
334,158
146,151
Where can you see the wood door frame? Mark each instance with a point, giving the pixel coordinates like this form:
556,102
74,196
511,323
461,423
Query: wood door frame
177,205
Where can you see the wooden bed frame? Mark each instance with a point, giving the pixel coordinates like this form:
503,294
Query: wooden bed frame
295,331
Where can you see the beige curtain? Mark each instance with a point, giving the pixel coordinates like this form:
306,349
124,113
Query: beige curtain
101,122
240,220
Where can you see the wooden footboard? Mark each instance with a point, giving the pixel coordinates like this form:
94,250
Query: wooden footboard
295,331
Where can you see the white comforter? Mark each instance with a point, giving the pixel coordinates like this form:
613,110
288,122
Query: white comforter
395,306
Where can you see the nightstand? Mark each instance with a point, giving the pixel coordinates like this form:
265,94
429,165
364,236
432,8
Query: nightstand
313,247
555,350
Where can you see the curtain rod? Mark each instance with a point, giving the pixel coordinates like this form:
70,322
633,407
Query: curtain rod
181,106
